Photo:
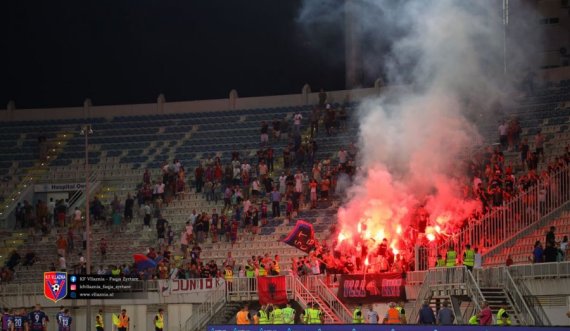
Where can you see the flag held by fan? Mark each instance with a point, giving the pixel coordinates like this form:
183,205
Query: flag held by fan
302,237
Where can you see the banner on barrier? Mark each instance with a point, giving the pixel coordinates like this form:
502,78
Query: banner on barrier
371,288
272,290
369,327
169,287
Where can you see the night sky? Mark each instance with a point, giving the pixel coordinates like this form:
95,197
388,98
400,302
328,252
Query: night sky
57,53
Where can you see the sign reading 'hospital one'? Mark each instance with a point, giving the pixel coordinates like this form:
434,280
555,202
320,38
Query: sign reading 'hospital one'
59,187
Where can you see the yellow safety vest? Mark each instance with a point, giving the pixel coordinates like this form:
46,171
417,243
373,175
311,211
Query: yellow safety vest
277,316
276,267
262,271
289,315
314,316
99,322
159,321
357,319
469,258
263,319
474,320
499,318
228,275
451,256
441,262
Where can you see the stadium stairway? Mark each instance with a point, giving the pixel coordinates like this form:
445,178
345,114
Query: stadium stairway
30,174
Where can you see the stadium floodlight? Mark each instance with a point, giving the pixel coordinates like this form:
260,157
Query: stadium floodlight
86,131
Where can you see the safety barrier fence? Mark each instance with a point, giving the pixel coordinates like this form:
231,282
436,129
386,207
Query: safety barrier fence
512,217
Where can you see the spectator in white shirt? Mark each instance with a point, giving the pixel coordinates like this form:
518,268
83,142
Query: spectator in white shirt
342,156
297,123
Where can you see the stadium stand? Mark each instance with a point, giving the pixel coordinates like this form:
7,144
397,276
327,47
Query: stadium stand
122,148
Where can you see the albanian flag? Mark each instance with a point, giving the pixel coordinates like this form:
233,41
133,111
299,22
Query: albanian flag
272,290
302,237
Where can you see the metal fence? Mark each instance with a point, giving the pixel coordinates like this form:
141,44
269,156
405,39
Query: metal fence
511,218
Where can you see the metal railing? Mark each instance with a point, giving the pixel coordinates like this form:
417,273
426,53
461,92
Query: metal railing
424,294
541,270
499,277
75,199
303,296
508,220
205,311
533,303
325,293
455,277
525,315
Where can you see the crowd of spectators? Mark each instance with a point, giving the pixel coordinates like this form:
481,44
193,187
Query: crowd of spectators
254,193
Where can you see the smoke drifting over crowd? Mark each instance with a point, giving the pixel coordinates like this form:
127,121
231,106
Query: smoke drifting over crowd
412,142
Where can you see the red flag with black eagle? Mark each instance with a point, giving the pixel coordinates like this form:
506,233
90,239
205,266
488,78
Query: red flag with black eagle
272,290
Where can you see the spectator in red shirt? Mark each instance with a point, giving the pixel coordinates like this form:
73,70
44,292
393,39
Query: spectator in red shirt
486,315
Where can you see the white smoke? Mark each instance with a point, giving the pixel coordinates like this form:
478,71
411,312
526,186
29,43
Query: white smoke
450,55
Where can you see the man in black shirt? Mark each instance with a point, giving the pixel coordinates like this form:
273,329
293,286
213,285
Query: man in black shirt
550,253
550,237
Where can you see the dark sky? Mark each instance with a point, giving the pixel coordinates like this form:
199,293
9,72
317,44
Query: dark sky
57,53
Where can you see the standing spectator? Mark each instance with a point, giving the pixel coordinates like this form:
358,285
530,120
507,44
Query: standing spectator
445,315
147,215
264,133
276,128
426,315
539,145
129,205
275,202
485,315
322,98
315,117
538,253
550,236
103,248
503,130
61,245
297,123
550,253
342,156
372,316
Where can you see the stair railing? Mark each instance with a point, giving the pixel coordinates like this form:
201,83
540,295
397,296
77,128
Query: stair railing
303,296
325,293
525,315
538,312
505,221
423,295
474,290
201,315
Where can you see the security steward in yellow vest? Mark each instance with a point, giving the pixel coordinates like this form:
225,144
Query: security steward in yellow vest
289,314
473,320
263,317
451,256
503,318
357,317
229,277
306,313
440,261
159,320
314,315
262,271
100,321
276,316
469,257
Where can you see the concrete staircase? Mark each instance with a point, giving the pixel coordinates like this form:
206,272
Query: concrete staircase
496,296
